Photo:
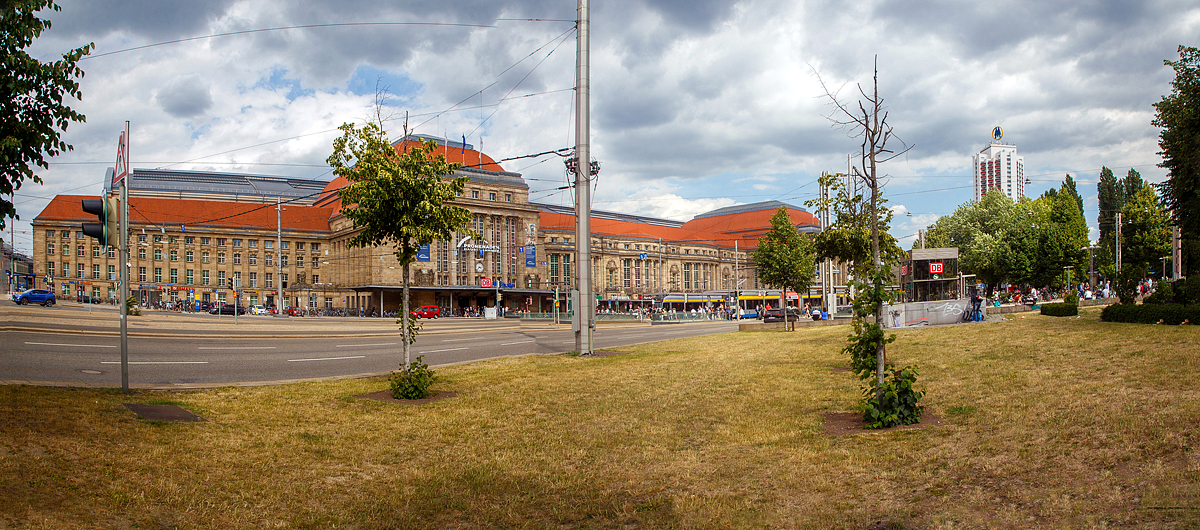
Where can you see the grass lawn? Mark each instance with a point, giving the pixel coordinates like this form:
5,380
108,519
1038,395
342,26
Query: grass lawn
1046,422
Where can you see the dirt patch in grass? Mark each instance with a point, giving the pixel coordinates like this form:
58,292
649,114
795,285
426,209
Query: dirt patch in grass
844,423
386,397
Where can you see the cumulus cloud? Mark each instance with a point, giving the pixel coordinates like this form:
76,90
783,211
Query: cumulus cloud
687,96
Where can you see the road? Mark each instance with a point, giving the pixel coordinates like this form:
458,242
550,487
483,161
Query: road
182,353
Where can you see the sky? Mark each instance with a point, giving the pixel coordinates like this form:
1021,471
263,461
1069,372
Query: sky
696,104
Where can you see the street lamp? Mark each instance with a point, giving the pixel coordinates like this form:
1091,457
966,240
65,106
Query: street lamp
1163,272
1091,265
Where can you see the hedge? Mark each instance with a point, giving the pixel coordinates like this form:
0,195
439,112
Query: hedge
1061,309
1173,314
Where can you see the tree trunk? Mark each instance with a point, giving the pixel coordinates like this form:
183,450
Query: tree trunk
404,316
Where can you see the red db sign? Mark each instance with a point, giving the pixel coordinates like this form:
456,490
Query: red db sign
936,267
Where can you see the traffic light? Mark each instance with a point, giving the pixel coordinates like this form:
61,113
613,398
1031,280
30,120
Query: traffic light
108,211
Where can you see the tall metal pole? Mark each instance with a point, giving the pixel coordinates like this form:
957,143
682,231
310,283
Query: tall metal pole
1176,263
278,252
583,200
124,264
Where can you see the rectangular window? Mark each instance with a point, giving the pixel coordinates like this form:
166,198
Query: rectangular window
220,241
79,250
507,197
553,268
80,271
237,258
491,196
174,275
141,253
268,244
95,271
112,252
283,245
50,250
95,251
190,240
254,259
316,247
237,243
204,240
316,262
49,234
188,256
158,238
270,259
474,194
254,279
253,243
50,269
141,274
316,279
158,254
174,255
625,276
237,279
220,278
173,239
112,273
283,260
141,238
299,245
268,281
158,274
66,269
203,277
283,280
79,235
189,277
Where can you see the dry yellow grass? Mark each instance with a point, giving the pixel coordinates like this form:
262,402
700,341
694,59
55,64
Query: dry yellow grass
1069,423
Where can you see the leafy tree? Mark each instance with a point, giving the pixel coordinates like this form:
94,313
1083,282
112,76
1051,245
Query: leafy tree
31,93
784,257
1132,184
1065,239
1110,194
1179,119
1146,230
848,238
980,232
396,199
1068,187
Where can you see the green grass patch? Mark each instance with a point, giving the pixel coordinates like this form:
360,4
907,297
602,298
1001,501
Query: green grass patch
1063,423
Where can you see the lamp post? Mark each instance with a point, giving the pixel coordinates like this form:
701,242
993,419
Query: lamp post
1091,265
1162,273
279,252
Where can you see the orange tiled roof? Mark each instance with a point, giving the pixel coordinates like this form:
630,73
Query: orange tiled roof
469,158
199,213
614,228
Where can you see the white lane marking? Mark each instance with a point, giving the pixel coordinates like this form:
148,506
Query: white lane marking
460,340
518,342
447,349
156,362
238,348
327,359
364,345
77,345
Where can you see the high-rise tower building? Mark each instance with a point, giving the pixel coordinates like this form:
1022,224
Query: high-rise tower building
998,166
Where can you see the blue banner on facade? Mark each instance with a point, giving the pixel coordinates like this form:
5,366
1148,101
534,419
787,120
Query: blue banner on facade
423,253
530,256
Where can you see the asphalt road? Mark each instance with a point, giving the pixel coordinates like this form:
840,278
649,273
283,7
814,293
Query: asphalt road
179,357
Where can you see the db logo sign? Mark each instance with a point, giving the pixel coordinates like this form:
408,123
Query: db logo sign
904,270
936,267
487,282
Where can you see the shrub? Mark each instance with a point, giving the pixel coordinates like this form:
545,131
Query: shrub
1173,314
1126,283
899,404
1062,309
412,382
131,307
1071,297
1163,294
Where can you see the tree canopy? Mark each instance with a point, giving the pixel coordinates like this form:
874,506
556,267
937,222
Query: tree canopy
784,257
31,92
1179,118
848,237
1146,230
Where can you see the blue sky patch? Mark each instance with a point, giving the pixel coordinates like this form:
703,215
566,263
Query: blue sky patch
400,87
279,80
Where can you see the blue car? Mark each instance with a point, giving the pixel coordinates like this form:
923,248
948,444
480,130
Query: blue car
34,296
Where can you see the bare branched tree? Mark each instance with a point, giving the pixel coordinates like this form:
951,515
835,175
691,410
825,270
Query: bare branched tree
868,120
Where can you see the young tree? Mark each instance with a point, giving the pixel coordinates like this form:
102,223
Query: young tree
868,120
1179,119
31,93
784,258
396,199
848,238
1110,195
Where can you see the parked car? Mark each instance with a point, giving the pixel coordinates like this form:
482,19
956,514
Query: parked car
34,296
294,311
776,315
259,310
427,311
227,309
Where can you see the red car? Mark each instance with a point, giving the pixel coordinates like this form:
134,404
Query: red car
294,312
427,311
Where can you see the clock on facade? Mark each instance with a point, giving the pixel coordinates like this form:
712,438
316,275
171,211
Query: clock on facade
479,267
